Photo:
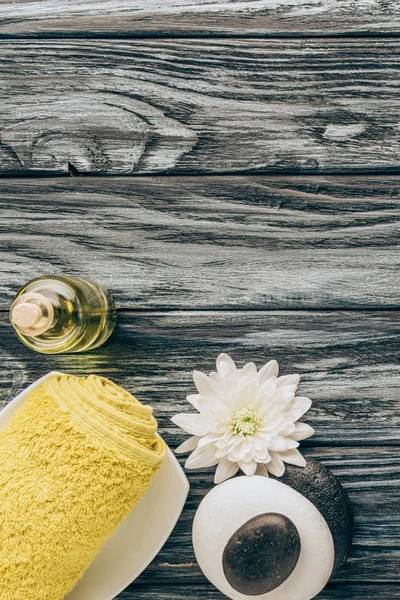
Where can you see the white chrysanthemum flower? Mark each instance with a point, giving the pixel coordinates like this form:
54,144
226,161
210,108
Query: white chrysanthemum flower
246,420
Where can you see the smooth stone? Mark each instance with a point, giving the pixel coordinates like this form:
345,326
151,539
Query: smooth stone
230,505
261,554
320,486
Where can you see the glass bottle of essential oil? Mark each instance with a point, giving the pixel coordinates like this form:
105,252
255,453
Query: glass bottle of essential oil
57,314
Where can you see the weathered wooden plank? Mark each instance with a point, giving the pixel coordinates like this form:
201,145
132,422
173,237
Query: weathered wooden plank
182,17
207,592
349,364
205,105
213,242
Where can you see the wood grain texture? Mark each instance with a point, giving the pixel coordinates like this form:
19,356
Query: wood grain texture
199,17
332,592
349,367
213,242
183,101
349,363
199,106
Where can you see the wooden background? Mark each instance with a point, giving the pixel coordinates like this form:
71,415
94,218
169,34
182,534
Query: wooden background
230,171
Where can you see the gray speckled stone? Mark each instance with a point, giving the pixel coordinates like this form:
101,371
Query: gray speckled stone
319,485
261,554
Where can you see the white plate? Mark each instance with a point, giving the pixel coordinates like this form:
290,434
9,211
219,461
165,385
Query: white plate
139,537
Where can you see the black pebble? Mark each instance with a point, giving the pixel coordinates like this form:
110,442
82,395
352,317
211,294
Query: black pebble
261,554
320,486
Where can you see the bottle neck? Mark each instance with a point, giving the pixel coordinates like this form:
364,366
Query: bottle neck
32,314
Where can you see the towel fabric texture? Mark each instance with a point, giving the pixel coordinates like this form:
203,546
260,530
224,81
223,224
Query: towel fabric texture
74,460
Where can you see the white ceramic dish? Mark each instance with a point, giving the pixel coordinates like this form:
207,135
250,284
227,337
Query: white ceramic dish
132,546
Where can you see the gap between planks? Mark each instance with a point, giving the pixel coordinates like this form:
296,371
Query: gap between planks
73,172
182,591
214,35
199,310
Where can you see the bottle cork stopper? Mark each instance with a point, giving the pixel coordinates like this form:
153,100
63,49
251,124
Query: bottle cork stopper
26,315
32,314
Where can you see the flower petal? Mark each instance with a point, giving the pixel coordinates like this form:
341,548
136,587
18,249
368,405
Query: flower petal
190,423
207,439
221,453
288,428
284,398
288,380
275,465
247,392
267,391
293,457
216,377
207,387
262,470
291,444
302,431
280,444
271,369
210,409
193,399
238,452
188,445
225,365
298,407
225,470
202,457
260,451
249,369
248,468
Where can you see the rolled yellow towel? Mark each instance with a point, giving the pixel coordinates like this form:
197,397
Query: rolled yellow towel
74,460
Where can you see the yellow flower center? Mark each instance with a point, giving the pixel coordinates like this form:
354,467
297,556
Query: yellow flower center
245,422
